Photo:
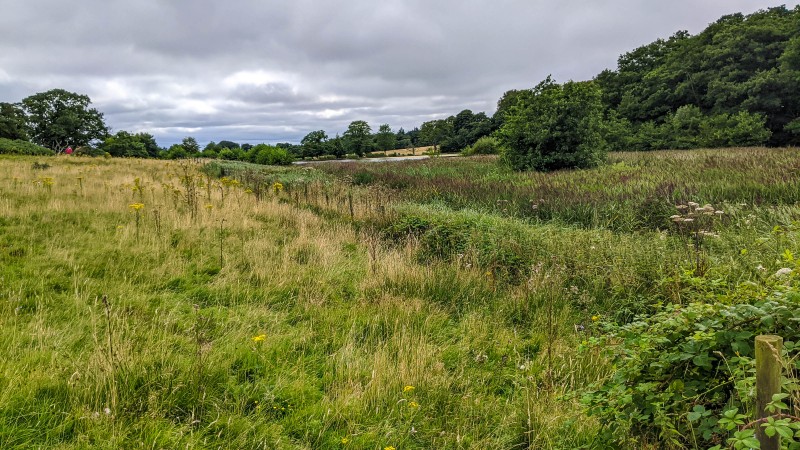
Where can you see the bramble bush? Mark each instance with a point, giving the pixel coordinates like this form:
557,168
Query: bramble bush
685,376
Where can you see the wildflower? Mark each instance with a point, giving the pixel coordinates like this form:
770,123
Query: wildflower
136,206
408,389
259,338
277,187
595,318
693,204
389,448
413,404
719,212
344,440
783,272
119,227
209,207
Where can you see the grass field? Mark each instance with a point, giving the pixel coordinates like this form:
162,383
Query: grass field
151,304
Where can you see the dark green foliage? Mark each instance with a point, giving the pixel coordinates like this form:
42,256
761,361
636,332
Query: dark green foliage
738,64
12,122
272,156
190,145
556,127
59,119
19,147
484,146
358,138
139,145
385,138
314,144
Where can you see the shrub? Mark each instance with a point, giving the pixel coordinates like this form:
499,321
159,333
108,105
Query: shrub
19,147
88,150
557,127
272,156
486,145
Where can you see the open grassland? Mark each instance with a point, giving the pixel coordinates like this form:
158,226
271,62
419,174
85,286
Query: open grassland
234,322
253,307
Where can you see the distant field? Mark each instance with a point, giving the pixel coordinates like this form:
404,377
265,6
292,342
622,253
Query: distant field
408,151
407,305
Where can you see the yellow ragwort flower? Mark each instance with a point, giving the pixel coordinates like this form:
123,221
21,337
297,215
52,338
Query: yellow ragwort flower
595,318
391,447
136,206
259,338
344,440
413,404
408,389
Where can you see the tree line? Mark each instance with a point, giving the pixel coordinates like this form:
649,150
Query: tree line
737,83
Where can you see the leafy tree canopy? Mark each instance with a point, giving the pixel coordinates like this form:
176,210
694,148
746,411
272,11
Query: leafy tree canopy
58,119
555,127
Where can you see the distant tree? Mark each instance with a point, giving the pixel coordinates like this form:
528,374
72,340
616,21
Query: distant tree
336,147
358,137
314,144
272,155
556,127
12,122
149,143
190,145
176,151
58,119
247,147
433,132
124,144
211,146
385,138
228,144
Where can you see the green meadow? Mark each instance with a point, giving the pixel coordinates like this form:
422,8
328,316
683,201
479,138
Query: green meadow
448,303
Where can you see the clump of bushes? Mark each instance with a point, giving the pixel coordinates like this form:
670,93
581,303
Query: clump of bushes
685,376
486,145
271,156
19,147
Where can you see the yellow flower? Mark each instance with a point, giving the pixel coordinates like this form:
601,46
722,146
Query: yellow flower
408,389
259,338
413,404
595,318
136,206
389,448
344,440
277,187
209,206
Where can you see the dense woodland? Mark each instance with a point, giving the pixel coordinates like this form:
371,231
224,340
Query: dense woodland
737,83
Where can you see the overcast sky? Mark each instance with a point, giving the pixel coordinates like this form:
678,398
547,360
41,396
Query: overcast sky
274,70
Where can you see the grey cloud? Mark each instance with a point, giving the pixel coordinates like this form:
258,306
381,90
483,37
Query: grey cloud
274,70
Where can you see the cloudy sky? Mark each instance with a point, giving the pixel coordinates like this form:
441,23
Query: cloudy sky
273,70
